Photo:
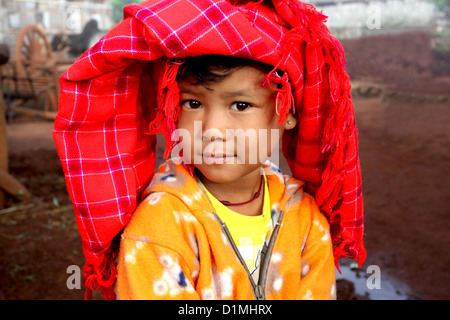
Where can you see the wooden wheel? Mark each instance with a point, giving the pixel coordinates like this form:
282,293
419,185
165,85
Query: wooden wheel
35,64
33,52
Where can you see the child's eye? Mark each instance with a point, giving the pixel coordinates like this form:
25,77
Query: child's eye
191,104
240,106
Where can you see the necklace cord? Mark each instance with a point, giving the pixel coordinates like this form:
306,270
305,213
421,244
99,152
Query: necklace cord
228,203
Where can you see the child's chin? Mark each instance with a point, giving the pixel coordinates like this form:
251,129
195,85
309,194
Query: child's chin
219,173
225,173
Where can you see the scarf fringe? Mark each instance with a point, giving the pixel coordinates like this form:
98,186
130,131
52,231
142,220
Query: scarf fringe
168,107
102,277
285,102
350,249
309,27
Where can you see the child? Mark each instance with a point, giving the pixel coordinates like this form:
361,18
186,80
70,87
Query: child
184,240
184,243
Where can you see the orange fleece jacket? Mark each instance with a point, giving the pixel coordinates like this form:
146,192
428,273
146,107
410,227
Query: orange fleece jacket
176,248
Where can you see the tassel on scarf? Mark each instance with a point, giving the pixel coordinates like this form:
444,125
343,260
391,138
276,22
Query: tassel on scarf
285,102
168,107
307,28
101,278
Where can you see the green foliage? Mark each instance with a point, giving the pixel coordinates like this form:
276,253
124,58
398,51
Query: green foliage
442,4
118,8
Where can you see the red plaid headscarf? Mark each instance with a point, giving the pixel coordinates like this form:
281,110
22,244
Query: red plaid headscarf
126,83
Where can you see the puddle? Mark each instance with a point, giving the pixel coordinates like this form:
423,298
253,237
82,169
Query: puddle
367,285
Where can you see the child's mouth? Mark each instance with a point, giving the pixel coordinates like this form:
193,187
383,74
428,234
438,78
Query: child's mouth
217,158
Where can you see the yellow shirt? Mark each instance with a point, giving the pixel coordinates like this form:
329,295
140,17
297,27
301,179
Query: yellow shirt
248,232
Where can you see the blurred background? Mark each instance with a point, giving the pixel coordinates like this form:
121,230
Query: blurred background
398,57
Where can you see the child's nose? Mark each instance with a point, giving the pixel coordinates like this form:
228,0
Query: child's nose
214,126
212,134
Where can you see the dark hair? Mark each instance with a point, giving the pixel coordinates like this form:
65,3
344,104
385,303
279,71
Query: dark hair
200,67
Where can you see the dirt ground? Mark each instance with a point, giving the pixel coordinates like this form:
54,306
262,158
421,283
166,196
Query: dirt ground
402,106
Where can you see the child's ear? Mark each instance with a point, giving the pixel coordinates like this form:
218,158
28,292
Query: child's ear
290,123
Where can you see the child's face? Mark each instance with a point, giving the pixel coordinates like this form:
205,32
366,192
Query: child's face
210,118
